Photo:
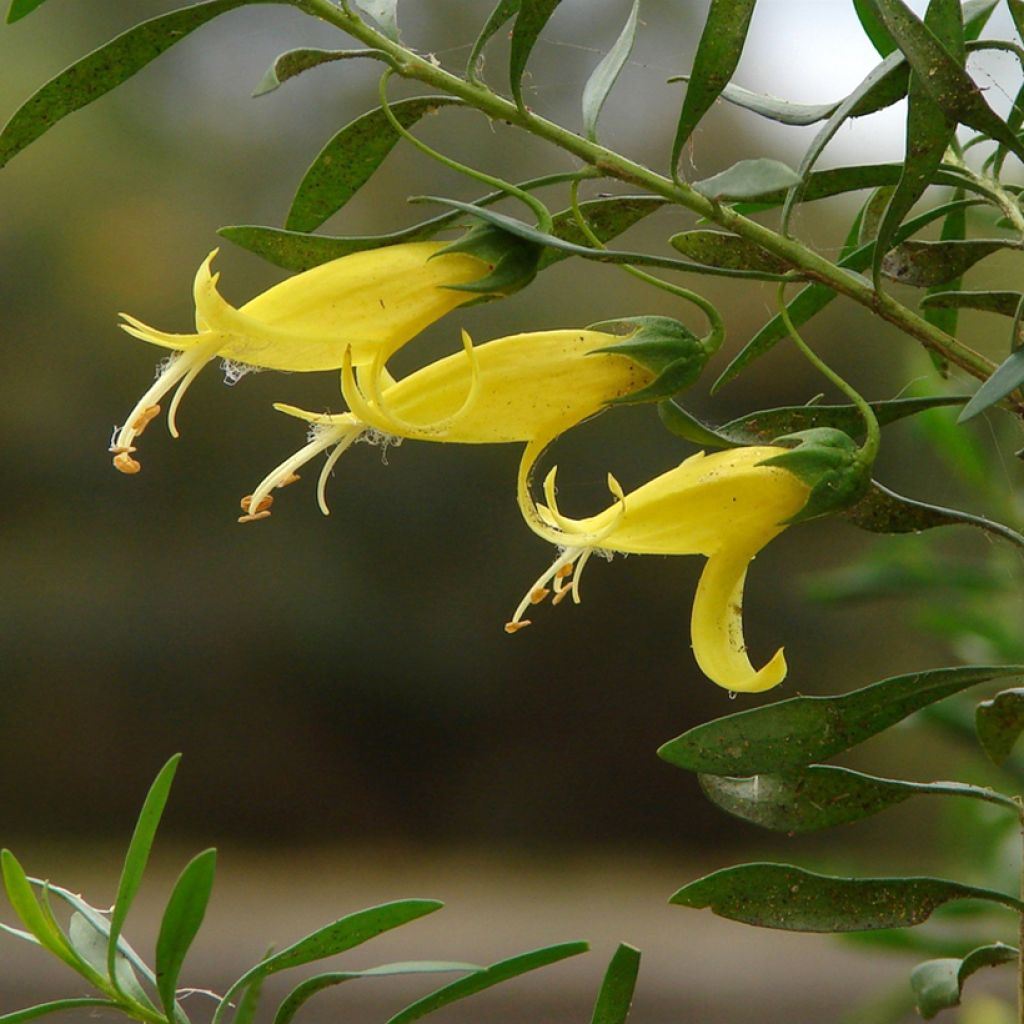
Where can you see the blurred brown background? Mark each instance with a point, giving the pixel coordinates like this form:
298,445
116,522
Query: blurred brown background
343,684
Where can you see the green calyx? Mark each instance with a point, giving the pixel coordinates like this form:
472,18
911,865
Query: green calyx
830,463
513,260
665,347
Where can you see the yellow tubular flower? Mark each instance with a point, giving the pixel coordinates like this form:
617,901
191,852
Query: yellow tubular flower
725,506
370,303
527,387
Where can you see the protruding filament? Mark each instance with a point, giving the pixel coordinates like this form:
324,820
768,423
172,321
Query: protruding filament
563,567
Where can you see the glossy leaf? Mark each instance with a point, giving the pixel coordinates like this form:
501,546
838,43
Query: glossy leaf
942,75
718,53
503,970
105,69
1004,303
938,984
500,16
138,853
1007,377
19,8
929,129
616,995
791,899
925,264
530,21
747,179
820,796
57,1006
999,723
385,13
294,62
718,249
341,935
180,924
800,731
884,511
605,75
351,157
305,990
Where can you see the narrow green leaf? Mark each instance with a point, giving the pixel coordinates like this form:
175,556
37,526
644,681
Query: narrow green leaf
138,853
105,69
503,970
976,15
385,13
999,723
1016,8
802,730
718,53
1007,377
341,935
249,1000
718,249
747,179
938,984
1003,303
90,943
305,990
294,62
19,8
530,21
926,264
606,74
501,14
874,28
929,129
942,75
351,157
884,511
822,796
786,897
180,924
57,1006
616,995
946,318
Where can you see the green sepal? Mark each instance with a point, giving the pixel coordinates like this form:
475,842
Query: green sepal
830,463
514,260
666,348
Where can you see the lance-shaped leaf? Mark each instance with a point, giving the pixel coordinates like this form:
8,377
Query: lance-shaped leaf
822,796
925,264
57,1006
616,995
874,28
607,218
938,984
999,723
351,157
530,21
90,943
747,179
385,13
138,854
341,935
791,899
606,74
929,129
105,69
305,990
503,970
1007,377
294,62
765,426
814,298
719,249
942,75
500,16
800,731
180,924
1003,303
19,8
718,53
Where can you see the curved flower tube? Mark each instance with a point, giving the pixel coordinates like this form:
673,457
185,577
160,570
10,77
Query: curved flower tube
369,303
725,506
526,387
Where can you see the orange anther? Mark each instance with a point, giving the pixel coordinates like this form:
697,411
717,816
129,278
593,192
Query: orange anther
538,594
121,449
514,627
265,502
291,478
565,570
144,418
560,595
254,516
124,463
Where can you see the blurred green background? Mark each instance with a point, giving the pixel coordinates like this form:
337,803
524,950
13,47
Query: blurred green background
345,681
